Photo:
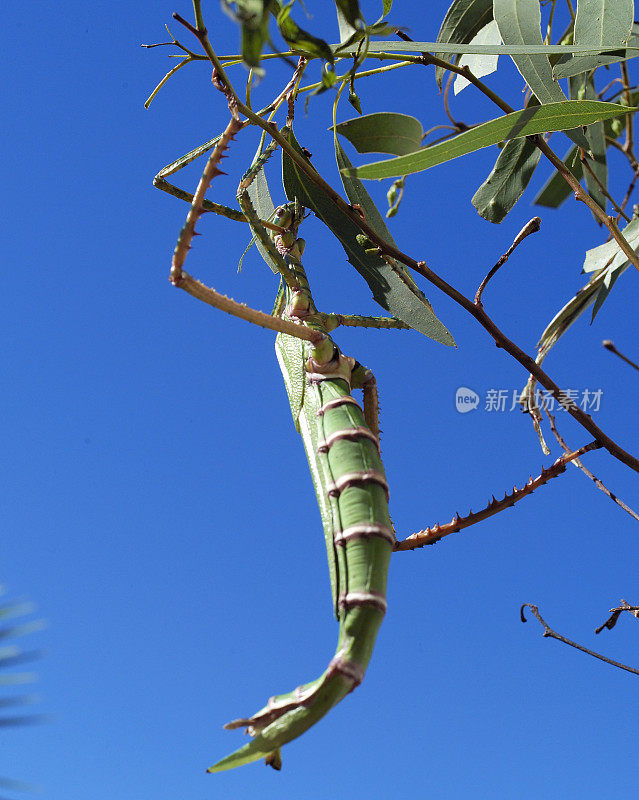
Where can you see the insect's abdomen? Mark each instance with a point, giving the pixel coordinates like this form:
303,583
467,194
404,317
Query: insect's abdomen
363,536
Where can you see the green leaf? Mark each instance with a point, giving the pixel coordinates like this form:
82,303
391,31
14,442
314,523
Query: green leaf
527,122
350,11
416,307
345,29
609,279
387,284
556,190
598,178
487,49
610,254
507,181
464,19
387,5
260,197
520,23
252,16
384,132
300,40
600,23
479,65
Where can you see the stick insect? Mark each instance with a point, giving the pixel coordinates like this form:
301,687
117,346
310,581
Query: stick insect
341,438
342,446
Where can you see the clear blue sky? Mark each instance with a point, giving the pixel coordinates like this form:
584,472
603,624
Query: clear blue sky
155,499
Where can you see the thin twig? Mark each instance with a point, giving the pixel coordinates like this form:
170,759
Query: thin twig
437,532
610,346
584,162
553,635
599,484
616,613
530,227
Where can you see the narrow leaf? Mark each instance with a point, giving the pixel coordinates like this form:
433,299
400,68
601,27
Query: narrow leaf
387,285
505,49
464,19
479,65
597,176
507,181
600,256
384,132
600,23
519,22
528,122
350,11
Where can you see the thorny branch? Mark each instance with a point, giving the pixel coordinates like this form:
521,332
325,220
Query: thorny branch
548,632
437,532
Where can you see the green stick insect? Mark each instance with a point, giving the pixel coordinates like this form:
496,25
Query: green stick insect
341,438
342,446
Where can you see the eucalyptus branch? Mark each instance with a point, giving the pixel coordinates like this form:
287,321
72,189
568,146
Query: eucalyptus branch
530,227
611,347
610,623
437,532
586,165
548,632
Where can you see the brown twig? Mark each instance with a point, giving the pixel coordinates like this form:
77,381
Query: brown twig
553,635
599,484
616,613
530,227
437,532
586,165
610,346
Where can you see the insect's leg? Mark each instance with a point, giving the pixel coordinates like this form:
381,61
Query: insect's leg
362,378
358,321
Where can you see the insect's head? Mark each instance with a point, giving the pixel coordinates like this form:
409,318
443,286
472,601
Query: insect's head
289,215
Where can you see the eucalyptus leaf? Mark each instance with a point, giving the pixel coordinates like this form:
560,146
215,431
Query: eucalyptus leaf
479,65
599,257
519,22
600,23
457,49
463,21
597,176
350,11
527,122
507,180
252,16
387,283
383,132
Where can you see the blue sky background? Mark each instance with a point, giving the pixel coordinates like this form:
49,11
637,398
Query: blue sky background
156,504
